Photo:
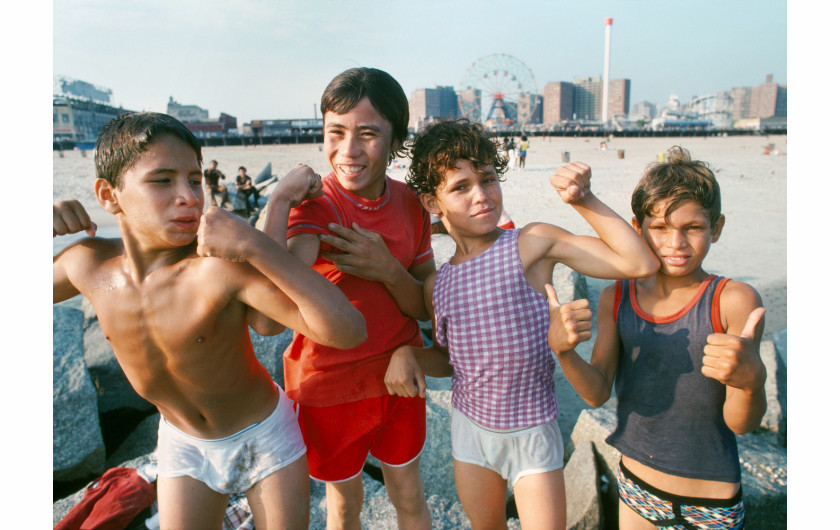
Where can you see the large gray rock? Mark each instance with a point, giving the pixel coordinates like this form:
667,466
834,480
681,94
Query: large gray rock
113,388
269,351
141,441
583,498
569,284
775,419
78,447
436,466
763,468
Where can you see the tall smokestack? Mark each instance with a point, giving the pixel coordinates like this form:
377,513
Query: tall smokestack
605,104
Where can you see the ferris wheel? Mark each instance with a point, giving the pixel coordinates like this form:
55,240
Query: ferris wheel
498,90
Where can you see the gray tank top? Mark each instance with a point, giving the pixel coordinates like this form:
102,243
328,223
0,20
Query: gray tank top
670,416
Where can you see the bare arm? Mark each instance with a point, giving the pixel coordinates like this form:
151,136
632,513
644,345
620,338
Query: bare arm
593,381
300,184
69,217
618,251
733,357
409,364
300,297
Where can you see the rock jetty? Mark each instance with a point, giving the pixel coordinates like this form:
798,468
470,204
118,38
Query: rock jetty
99,422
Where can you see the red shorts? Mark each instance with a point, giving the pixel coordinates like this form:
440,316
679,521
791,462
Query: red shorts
338,438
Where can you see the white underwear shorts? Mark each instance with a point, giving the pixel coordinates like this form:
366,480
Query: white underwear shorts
235,463
511,454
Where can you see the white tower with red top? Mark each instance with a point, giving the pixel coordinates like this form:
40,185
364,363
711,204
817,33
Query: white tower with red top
605,104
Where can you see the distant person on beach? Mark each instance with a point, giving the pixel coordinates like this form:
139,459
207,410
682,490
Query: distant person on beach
369,235
245,189
174,297
523,151
212,176
491,320
511,152
682,347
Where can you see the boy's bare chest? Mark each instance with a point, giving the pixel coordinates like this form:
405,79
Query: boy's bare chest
166,313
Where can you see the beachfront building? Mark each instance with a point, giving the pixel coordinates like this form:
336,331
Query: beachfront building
80,110
199,122
558,102
428,104
589,98
644,110
529,109
763,101
284,127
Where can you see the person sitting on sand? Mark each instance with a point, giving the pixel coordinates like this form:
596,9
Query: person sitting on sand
245,189
491,320
212,186
682,348
174,296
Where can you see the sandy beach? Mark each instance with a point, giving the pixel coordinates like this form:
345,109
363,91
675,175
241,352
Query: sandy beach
753,247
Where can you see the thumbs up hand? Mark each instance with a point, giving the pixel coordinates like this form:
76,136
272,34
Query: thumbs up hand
570,323
734,359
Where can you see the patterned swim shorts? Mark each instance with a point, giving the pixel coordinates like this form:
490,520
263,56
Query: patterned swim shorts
675,512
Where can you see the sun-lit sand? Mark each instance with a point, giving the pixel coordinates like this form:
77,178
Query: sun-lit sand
753,247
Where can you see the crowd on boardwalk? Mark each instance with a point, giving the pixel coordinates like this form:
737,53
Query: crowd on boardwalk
345,260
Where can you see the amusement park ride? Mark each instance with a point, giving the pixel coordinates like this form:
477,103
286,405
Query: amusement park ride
499,91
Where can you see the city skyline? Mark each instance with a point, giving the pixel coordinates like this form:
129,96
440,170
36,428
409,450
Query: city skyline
236,58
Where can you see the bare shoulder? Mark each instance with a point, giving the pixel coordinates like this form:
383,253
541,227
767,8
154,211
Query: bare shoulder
540,230
737,301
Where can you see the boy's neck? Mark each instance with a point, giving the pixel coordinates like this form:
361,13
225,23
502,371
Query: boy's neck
468,247
666,284
140,261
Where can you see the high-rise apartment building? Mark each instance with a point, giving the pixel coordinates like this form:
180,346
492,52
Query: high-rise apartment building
589,98
529,109
763,101
558,102
432,103
619,95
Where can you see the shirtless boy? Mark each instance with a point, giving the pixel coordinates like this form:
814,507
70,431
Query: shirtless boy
174,297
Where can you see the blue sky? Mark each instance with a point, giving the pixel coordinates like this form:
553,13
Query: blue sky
268,59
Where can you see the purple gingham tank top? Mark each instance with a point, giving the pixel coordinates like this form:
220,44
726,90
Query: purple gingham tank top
496,327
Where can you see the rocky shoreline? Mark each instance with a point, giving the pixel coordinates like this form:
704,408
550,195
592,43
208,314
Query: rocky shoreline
99,422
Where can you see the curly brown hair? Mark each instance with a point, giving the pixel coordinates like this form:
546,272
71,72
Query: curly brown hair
438,147
678,180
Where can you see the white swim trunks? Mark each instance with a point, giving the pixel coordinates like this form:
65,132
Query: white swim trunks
235,463
511,454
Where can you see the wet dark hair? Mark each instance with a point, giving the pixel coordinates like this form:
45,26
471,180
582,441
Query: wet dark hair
678,180
438,148
386,95
124,139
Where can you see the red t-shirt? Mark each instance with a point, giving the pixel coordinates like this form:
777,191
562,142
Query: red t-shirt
320,376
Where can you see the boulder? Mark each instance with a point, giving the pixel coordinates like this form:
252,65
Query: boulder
775,418
583,498
112,386
141,441
763,468
569,284
269,351
78,447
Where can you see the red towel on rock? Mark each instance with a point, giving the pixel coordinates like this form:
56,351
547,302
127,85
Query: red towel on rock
111,502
